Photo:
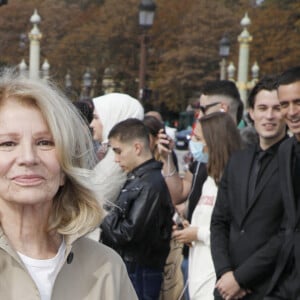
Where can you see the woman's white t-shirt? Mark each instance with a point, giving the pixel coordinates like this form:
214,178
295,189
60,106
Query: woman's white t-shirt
202,278
44,271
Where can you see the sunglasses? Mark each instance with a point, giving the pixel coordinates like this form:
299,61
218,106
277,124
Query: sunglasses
206,107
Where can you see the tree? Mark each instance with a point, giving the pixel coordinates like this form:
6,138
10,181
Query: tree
187,47
276,37
183,41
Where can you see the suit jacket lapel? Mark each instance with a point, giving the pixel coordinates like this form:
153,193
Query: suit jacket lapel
245,173
271,168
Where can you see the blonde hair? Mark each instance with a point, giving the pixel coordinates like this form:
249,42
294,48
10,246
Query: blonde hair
75,207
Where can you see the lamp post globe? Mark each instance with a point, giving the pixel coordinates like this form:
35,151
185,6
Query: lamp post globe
87,79
244,40
87,82
224,50
224,46
68,81
146,13
34,53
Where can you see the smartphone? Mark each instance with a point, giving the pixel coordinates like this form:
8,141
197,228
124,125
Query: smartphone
165,145
179,226
179,223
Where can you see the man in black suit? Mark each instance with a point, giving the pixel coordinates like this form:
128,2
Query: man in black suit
285,284
249,207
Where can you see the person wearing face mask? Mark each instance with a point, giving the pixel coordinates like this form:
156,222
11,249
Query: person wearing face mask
216,138
198,154
187,188
190,186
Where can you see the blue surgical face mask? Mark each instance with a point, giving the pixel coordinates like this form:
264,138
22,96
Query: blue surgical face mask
196,149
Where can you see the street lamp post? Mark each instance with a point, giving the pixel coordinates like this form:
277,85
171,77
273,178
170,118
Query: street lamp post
22,44
45,70
244,39
242,82
224,53
108,83
87,83
34,36
68,81
70,92
23,41
146,17
23,67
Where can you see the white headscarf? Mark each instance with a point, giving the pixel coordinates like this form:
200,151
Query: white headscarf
114,108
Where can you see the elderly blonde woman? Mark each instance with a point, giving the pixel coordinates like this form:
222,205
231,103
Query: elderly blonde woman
109,110
47,204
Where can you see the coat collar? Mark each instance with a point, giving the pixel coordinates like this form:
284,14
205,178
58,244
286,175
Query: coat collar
148,165
245,173
7,247
272,167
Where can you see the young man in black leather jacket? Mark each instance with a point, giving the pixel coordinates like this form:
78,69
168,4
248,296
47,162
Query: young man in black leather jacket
139,225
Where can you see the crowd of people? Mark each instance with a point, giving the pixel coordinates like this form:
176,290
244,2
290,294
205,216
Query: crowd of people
92,204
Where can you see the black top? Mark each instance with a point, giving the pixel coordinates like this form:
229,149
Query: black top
268,154
199,172
260,161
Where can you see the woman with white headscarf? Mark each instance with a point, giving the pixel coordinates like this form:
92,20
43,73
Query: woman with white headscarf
109,110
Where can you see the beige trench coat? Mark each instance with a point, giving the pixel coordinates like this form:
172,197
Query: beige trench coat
91,271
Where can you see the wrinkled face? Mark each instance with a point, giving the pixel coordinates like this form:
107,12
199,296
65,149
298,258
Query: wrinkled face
289,98
30,172
97,127
126,154
267,117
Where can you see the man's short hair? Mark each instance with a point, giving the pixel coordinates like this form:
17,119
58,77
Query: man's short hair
289,76
129,130
222,88
228,90
268,83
